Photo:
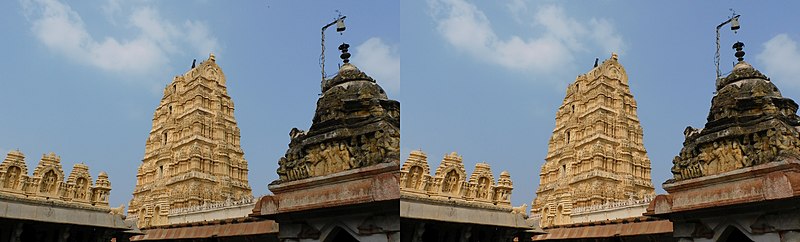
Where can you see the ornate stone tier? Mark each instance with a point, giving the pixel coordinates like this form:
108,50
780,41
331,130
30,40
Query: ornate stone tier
49,183
192,155
355,125
450,182
595,155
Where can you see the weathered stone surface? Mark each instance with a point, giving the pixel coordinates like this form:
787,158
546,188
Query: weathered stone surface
740,175
358,186
192,156
340,180
595,155
355,125
749,123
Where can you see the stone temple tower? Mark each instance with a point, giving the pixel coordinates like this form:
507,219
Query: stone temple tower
192,155
595,155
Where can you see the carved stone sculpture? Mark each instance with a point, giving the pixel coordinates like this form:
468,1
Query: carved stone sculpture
450,181
355,125
47,181
749,123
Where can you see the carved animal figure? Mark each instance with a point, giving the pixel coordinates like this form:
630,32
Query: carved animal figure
521,210
118,210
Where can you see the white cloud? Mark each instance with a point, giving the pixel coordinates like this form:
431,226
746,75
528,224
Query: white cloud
518,9
380,61
780,60
62,30
467,28
111,8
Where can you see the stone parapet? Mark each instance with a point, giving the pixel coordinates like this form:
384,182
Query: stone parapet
48,182
770,181
374,183
451,183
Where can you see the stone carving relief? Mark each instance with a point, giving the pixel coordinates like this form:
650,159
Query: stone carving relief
749,124
450,181
355,126
47,181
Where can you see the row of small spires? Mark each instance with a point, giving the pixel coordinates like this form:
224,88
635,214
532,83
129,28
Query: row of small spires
49,156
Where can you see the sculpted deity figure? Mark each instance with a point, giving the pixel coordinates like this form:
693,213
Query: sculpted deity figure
344,157
736,153
314,161
48,182
483,188
12,177
725,157
80,191
327,155
449,183
356,156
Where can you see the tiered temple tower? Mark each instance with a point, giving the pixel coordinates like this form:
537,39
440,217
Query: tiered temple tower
595,155
192,156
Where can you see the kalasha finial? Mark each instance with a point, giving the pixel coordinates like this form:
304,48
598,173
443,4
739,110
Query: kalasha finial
739,53
345,56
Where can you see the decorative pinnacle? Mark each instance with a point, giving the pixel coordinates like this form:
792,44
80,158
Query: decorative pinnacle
345,56
739,53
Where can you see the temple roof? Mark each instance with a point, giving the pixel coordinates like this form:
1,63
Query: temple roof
749,123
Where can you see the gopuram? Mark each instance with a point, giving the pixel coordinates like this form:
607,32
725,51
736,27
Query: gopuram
51,206
339,180
192,155
738,177
450,206
595,157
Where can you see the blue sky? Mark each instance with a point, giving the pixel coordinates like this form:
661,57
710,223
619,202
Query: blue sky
485,78
82,79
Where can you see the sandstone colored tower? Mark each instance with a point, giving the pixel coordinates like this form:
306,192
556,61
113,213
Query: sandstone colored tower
595,155
192,156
